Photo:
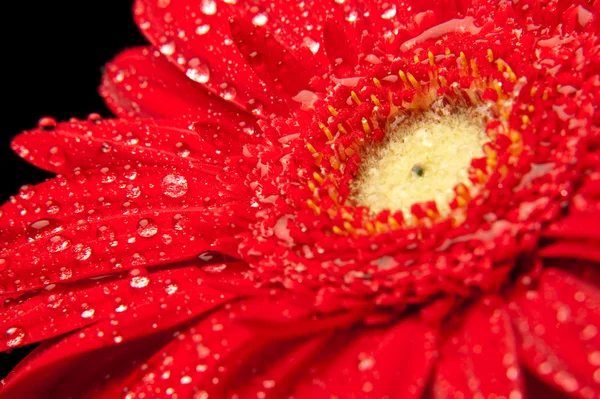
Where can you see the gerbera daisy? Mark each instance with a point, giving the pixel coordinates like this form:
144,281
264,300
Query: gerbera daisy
319,199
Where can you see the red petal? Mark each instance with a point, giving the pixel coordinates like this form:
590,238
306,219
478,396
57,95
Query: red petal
101,222
202,147
59,309
480,359
390,362
141,317
577,226
204,50
269,59
558,326
572,250
141,82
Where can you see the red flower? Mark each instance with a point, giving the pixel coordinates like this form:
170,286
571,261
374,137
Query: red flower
243,231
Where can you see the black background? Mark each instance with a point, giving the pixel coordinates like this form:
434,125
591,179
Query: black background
52,56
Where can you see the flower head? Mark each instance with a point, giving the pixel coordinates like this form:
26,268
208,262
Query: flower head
335,198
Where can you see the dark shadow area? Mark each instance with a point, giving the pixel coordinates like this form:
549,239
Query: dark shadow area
53,54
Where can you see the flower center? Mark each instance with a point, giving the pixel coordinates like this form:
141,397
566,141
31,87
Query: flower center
421,159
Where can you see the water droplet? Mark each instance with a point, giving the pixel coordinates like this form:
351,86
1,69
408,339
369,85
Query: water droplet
366,363
198,71
121,308
130,173
108,176
202,29
203,351
147,228
229,93
214,268
3,264
42,228
94,118
171,287
168,48
132,191
105,233
209,7
47,124
106,147
255,107
139,278
132,139
14,336
129,208
312,45
186,379
53,296
56,157
389,13
181,222
27,192
182,149
174,186
52,207
88,314
260,19
58,244
82,252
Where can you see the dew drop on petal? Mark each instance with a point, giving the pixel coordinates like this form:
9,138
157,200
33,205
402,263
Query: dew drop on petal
56,157
121,308
180,222
47,124
58,244
202,29
147,228
14,336
389,13
88,314
208,7
53,295
167,48
260,19
182,149
197,71
171,288
3,264
108,176
52,207
105,233
138,278
229,93
27,192
129,208
174,186
82,252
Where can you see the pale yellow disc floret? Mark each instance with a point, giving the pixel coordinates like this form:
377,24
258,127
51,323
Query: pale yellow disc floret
422,159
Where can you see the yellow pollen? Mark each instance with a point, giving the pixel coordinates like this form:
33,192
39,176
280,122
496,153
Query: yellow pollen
413,81
375,100
332,110
313,206
365,125
355,98
318,177
422,159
